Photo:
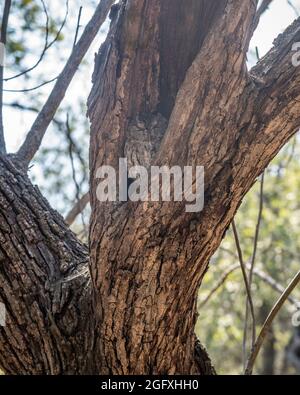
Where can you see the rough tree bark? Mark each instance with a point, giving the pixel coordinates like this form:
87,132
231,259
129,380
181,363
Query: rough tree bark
44,283
183,63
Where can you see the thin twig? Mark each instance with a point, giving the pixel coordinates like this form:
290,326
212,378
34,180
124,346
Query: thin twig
260,274
252,263
20,106
77,209
261,10
74,148
46,45
78,26
31,89
284,164
71,145
4,24
219,284
35,135
293,8
23,107
243,267
267,324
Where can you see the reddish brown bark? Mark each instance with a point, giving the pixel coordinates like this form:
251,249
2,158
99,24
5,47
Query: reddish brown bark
148,260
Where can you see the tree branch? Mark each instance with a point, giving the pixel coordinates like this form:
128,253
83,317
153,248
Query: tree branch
261,10
77,209
81,202
273,113
267,324
32,88
40,125
4,24
46,45
22,107
247,287
77,26
290,3
227,63
219,284
260,274
252,263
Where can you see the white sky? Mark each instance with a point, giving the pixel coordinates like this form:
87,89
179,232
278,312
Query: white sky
17,123
273,22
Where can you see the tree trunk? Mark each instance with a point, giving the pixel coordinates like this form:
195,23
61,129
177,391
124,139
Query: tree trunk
176,73
148,260
44,284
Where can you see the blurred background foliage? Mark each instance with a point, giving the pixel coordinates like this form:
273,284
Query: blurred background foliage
61,171
222,318
40,39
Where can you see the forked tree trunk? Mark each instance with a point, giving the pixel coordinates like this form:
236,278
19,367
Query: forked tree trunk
178,69
187,62
146,299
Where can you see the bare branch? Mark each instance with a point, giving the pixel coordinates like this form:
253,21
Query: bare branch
276,286
266,326
44,118
252,264
77,209
248,292
293,8
290,157
261,10
73,149
78,26
31,89
46,45
219,284
4,24
260,211
237,18
260,274
23,107
71,146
